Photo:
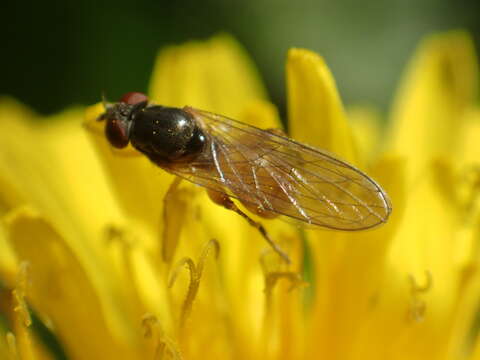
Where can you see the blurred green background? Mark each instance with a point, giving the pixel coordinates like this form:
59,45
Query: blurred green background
56,54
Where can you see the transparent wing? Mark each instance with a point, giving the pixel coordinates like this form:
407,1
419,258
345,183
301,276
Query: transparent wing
274,174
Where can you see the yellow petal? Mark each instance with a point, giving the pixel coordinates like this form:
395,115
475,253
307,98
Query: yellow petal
315,111
61,291
283,329
4,351
476,349
241,246
469,149
351,265
261,114
9,197
79,186
16,143
466,299
137,184
62,178
15,184
23,341
366,128
457,180
430,128
440,83
58,172
427,242
214,75
234,92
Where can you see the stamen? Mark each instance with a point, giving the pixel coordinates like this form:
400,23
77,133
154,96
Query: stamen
270,263
416,289
19,293
273,276
117,234
164,347
212,244
150,325
271,279
417,310
469,193
124,243
12,346
417,307
195,272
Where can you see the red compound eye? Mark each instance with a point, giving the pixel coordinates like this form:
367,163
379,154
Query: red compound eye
133,98
117,133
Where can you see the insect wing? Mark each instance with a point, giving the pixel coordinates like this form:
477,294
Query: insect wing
278,175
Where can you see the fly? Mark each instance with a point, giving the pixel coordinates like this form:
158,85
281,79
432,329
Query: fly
269,173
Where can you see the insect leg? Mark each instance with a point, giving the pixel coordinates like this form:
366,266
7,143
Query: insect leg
223,200
277,131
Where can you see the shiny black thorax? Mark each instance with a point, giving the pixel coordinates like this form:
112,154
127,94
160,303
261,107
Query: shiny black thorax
166,134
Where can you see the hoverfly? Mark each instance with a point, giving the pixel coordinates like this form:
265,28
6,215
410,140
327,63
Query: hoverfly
269,173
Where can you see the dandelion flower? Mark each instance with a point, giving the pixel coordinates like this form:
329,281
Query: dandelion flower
99,260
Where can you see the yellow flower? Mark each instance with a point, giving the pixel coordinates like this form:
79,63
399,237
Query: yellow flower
97,260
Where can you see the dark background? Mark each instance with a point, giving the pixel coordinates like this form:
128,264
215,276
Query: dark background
56,54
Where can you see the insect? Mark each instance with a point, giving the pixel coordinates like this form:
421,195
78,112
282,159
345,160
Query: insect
269,173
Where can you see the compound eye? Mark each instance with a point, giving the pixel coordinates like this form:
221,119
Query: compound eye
133,98
117,133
